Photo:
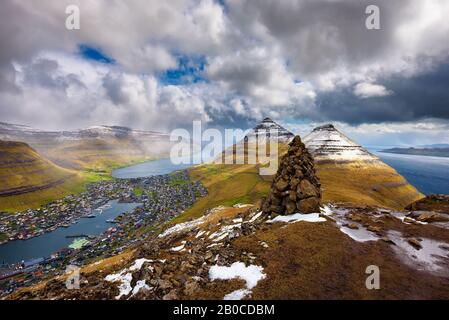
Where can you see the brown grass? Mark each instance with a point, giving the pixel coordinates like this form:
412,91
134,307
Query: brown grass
317,261
366,184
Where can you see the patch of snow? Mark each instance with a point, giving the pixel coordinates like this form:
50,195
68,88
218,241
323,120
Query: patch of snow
125,282
239,205
238,220
224,235
401,216
360,234
432,257
138,264
139,286
225,230
251,275
178,249
124,277
189,225
326,210
312,217
237,294
256,216
200,233
217,209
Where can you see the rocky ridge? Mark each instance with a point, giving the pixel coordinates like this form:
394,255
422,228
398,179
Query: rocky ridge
289,259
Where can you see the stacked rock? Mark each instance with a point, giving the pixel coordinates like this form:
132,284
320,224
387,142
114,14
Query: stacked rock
295,188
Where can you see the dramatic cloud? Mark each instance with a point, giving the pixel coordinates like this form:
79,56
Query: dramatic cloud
161,64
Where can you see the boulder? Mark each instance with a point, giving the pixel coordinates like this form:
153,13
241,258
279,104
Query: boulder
306,189
281,185
309,205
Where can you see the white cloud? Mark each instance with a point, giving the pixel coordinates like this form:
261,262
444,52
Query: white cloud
368,90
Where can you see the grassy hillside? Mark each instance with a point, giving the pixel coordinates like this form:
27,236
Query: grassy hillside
95,154
364,184
28,180
227,185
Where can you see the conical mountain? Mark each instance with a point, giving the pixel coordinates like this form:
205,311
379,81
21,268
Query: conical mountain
275,130
328,144
349,173
256,140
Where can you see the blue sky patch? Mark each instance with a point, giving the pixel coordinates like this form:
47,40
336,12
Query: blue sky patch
190,70
90,53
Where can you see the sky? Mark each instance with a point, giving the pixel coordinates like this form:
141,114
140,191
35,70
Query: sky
159,65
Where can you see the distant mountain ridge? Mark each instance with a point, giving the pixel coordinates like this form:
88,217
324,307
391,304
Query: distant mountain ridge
94,148
431,152
8,130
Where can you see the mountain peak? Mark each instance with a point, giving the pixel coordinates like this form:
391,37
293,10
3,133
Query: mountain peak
327,143
329,127
268,125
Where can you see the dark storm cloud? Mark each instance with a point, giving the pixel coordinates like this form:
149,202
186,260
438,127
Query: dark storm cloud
415,98
319,35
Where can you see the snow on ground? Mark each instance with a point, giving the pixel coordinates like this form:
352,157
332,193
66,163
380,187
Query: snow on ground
339,216
138,264
139,286
401,216
199,234
326,210
239,205
251,274
430,257
125,277
360,235
237,294
224,232
183,227
255,217
312,217
178,248
125,282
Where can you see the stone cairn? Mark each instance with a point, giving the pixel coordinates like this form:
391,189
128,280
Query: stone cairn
295,188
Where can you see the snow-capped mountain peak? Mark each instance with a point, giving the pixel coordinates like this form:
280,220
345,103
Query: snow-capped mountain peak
326,143
268,125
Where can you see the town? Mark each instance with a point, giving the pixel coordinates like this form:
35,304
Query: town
159,199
